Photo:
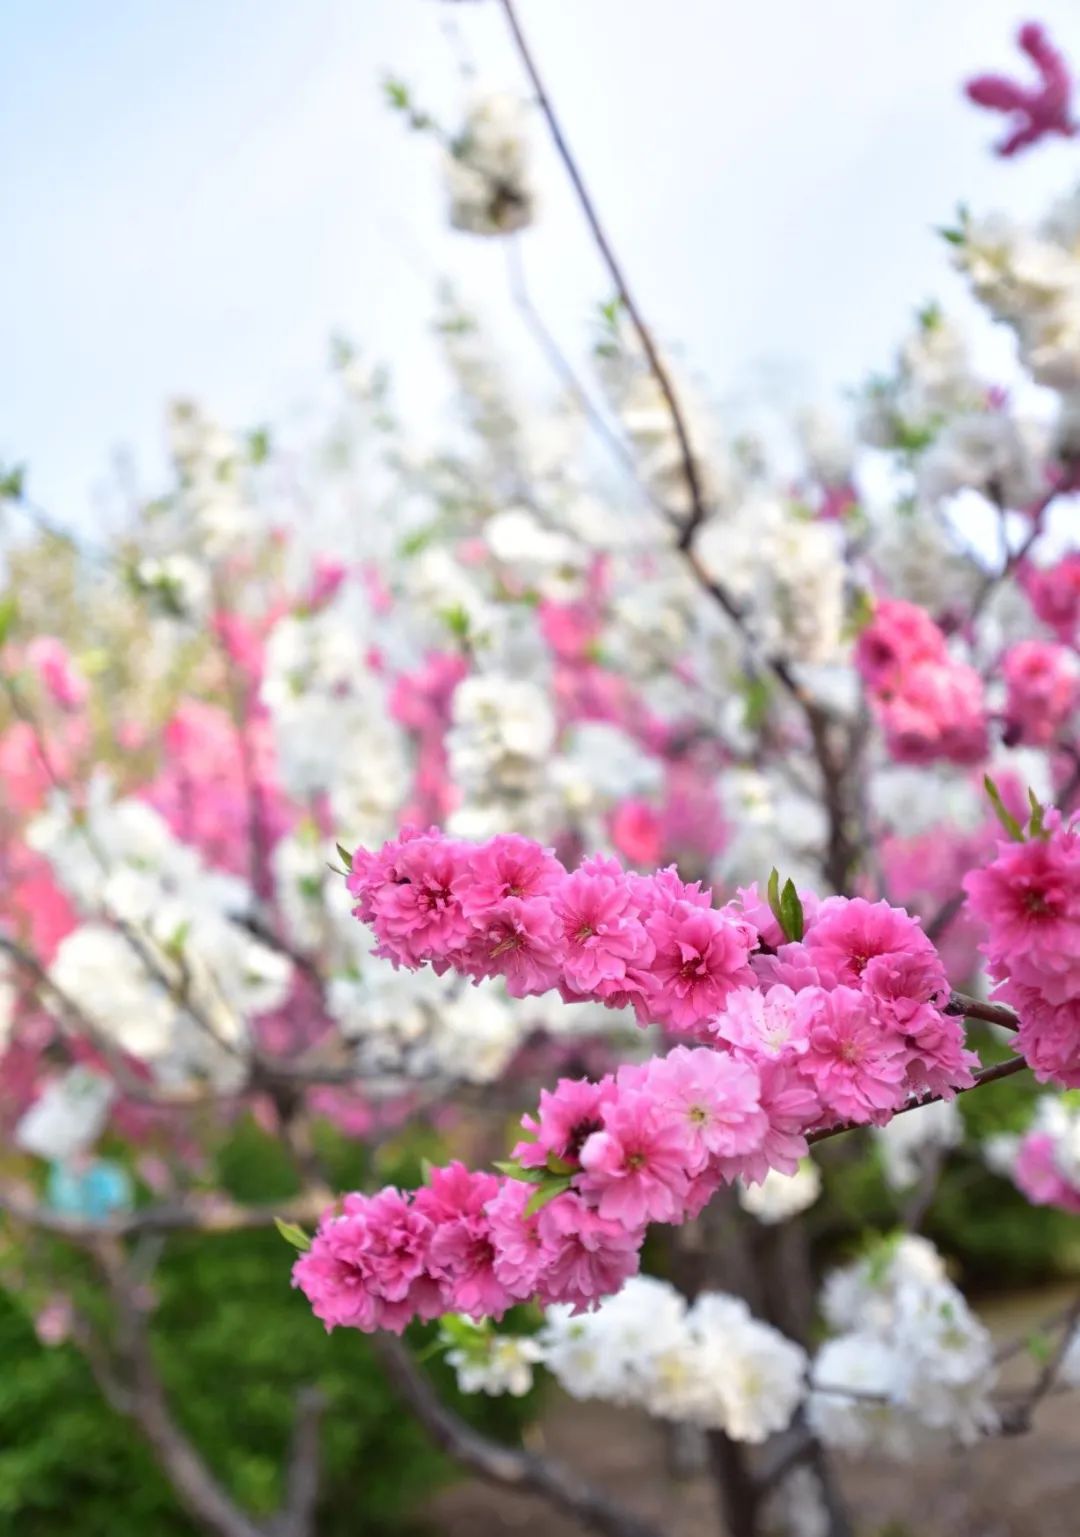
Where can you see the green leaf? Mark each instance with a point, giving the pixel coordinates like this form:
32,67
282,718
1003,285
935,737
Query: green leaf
396,93
774,895
1004,816
258,444
12,482
427,1169
515,1171
293,1234
791,912
559,1166
9,612
346,857
547,1192
1038,1347
1037,825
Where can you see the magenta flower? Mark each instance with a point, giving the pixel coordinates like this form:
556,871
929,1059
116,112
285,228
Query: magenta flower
764,1024
1042,684
366,1269
586,1256
507,866
791,1108
515,1238
602,932
702,956
636,1165
521,941
462,1255
1029,900
849,933
1037,1175
1035,110
857,1069
567,1118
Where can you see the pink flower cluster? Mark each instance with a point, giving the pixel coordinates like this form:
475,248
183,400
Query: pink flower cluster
509,908
1054,594
929,705
1029,900
1042,683
1037,1175
841,1025
1036,110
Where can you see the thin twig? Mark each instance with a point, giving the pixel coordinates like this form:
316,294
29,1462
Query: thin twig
988,1075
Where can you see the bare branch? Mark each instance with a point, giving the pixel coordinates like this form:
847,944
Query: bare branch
503,1465
297,1519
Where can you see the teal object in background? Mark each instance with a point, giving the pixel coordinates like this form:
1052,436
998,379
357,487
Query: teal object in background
93,1192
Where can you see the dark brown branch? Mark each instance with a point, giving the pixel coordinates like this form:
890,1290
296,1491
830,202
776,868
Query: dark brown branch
991,1013
988,1075
1018,1419
503,1465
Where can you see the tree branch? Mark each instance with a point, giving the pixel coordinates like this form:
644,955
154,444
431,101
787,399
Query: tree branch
503,1465
297,1519
988,1075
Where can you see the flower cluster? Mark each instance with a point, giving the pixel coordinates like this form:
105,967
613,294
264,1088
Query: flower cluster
1045,1161
1028,898
909,1364
930,705
840,1025
711,1364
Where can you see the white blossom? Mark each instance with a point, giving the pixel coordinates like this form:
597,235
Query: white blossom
781,1196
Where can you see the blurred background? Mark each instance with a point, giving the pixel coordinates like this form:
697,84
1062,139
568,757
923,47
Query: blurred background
201,198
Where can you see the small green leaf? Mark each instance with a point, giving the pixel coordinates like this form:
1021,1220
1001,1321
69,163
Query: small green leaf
1037,825
515,1171
1004,816
1038,1347
9,612
258,445
396,93
12,482
547,1192
427,1169
774,895
557,1165
346,857
791,912
293,1234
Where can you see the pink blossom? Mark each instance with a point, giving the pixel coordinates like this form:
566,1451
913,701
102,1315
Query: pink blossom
461,1254
416,914
602,932
1035,110
636,1165
51,661
898,636
1054,594
567,1117
519,1255
856,1068
702,956
791,1105
637,831
587,1256
712,1098
1037,1175
764,1024
366,1268
1029,899
847,933
506,866
520,941
1042,684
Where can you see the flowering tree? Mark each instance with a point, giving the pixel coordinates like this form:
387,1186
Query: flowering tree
358,784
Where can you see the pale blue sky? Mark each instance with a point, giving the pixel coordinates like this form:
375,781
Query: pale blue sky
197,192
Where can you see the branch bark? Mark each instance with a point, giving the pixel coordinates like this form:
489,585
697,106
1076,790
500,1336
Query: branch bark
503,1465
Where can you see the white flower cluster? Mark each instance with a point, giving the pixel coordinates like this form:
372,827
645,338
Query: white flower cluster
912,1367
711,1363
487,169
1031,280
779,1197
164,965
209,462
486,1362
910,1143
499,743
933,378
